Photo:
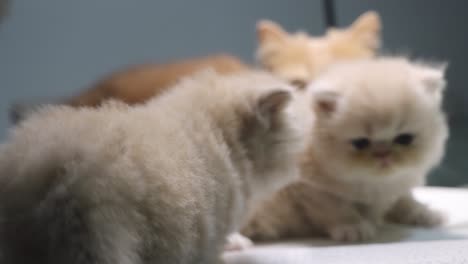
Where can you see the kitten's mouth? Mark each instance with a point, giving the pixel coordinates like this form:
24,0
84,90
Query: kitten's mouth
385,163
384,158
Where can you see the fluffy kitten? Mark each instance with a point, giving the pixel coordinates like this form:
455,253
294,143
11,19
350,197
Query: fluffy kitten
163,182
138,83
378,130
299,58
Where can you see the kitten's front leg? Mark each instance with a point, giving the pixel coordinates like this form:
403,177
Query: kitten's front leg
351,226
341,219
408,211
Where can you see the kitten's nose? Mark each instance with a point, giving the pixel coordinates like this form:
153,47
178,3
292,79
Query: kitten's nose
381,153
381,150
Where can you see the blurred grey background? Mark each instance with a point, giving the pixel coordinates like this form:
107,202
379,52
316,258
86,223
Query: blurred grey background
54,48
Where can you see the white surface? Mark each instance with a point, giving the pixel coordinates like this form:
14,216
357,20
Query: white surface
395,244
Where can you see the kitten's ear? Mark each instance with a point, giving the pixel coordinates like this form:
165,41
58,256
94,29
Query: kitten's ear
270,31
324,100
366,28
369,22
432,78
270,105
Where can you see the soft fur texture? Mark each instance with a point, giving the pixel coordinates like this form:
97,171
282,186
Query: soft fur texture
163,182
349,187
137,84
299,58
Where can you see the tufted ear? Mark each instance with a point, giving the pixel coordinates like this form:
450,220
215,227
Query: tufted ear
324,99
270,31
271,105
432,78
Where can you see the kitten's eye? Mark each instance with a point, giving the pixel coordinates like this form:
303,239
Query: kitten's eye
404,139
301,84
361,143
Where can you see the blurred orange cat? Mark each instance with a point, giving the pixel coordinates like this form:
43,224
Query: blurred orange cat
136,84
139,83
299,57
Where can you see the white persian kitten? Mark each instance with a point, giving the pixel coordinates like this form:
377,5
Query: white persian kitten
379,129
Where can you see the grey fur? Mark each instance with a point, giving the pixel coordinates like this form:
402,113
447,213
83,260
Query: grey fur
164,182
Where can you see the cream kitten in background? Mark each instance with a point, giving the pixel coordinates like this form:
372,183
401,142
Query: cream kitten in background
163,182
299,58
379,129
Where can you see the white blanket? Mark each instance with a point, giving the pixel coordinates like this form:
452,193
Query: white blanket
395,244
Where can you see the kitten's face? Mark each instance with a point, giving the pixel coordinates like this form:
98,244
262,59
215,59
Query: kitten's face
299,58
384,121
381,141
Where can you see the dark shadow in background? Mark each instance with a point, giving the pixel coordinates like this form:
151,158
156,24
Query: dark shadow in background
4,4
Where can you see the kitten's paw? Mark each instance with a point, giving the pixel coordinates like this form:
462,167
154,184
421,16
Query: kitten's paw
355,232
422,216
408,211
261,231
236,241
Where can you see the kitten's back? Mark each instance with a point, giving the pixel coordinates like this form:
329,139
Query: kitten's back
155,183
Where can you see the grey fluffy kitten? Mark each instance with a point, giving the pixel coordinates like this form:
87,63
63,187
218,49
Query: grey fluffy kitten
163,182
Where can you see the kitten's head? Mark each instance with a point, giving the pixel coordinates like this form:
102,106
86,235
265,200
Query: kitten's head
299,58
267,128
379,116
360,40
